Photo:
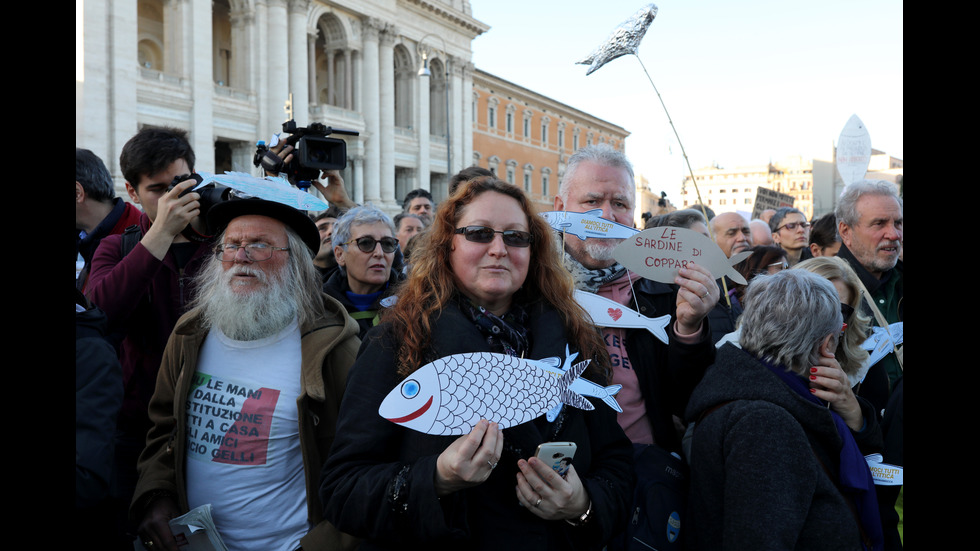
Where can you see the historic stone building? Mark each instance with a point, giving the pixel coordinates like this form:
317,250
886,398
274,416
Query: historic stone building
225,69
526,138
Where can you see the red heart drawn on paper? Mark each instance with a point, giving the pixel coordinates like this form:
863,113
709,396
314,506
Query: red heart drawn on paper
615,314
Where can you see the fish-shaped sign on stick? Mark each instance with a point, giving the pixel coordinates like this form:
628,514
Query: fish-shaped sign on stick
625,39
587,224
657,254
582,386
272,188
853,151
881,342
450,395
609,313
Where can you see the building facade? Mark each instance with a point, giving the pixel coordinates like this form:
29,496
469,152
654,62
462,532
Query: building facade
226,71
526,138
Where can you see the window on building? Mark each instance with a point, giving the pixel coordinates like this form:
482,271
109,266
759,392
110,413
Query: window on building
561,138
527,125
492,116
544,133
510,122
527,182
545,180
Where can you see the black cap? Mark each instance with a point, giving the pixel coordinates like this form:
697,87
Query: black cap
224,212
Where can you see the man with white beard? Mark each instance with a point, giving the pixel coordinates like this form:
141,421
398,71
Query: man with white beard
249,388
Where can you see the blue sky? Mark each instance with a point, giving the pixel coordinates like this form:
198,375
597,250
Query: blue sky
745,82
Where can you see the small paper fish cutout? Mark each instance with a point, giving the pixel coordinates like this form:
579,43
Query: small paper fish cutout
609,313
625,39
879,344
450,395
587,224
658,253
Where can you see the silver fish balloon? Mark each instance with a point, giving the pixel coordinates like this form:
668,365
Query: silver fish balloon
450,395
625,39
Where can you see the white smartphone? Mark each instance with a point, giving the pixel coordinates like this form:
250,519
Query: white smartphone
557,454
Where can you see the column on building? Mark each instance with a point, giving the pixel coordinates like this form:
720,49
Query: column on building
242,24
298,68
467,116
370,92
386,61
457,66
276,69
198,50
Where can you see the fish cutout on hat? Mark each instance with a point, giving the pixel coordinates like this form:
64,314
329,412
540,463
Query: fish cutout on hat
450,395
582,386
587,224
609,313
658,253
271,188
625,39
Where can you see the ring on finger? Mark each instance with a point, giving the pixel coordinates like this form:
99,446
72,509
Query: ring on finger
538,502
493,464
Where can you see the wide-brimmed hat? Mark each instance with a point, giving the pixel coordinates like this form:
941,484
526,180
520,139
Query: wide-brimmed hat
224,212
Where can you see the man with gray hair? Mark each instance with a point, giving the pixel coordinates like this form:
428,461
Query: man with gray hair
657,379
249,388
869,222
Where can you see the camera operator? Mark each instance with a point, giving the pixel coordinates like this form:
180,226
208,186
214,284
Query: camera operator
280,156
141,280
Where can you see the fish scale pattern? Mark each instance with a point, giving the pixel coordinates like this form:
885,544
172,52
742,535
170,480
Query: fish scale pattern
503,389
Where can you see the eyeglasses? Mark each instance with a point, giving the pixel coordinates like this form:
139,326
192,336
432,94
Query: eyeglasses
256,252
367,244
483,234
782,264
793,225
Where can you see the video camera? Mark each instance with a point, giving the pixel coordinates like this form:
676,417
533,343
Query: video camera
313,153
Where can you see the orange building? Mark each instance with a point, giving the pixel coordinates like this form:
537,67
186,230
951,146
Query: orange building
526,138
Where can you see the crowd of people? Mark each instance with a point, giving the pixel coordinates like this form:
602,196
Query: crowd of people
237,354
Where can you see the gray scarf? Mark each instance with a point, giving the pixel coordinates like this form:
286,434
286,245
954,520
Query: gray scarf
591,280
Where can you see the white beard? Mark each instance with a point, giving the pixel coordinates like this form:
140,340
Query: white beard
256,314
601,249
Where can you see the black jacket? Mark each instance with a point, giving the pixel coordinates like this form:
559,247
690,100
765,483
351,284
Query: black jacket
667,374
367,493
756,482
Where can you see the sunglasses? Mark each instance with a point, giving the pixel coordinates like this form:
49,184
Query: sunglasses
367,244
483,234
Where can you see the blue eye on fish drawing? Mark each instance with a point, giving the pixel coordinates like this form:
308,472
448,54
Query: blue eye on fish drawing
410,388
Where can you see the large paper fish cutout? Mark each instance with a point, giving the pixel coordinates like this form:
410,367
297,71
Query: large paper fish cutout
657,254
625,39
272,188
582,386
609,313
450,395
587,224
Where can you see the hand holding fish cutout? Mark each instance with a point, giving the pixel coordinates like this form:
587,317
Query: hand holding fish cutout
452,394
658,253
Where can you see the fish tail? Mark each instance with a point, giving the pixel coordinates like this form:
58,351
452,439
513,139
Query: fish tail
608,398
569,396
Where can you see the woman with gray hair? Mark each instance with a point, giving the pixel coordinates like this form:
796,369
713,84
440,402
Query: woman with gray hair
364,244
777,454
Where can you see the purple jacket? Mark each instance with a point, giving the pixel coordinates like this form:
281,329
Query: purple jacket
142,298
